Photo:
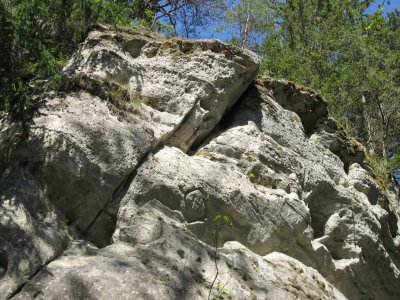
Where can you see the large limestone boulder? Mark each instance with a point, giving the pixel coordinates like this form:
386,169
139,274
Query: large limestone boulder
282,191
158,170
185,86
123,94
174,265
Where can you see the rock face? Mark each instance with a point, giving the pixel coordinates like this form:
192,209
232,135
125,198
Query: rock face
178,177
186,86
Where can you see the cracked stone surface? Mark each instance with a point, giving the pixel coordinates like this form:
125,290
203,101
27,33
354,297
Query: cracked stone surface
79,153
102,201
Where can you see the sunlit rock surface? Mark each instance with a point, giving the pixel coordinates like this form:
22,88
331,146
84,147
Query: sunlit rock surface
172,172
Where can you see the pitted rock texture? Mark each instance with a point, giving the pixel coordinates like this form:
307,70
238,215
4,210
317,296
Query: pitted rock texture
283,191
78,155
185,86
211,186
261,218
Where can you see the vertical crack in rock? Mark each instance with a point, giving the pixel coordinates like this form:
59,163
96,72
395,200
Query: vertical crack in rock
224,123
101,228
181,115
213,115
144,184
39,270
3,263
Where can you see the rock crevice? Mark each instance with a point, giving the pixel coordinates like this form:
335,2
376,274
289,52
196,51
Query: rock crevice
121,184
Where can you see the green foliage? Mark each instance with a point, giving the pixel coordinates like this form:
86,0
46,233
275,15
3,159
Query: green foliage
37,37
120,92
18,100
215,226
382,168
223,219
251,175
171,17
110,12
248,19
64,225
223,290
58,82
351,57
376,20
119,97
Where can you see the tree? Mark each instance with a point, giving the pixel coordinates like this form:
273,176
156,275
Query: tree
381,80
352,58
249,20
184,16
38,36
13,95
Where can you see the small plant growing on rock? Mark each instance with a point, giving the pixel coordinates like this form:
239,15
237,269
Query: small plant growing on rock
215,226
223,290
383,168
64,225
249,156
251,175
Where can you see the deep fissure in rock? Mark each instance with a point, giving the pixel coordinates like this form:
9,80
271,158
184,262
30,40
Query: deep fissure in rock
100,232
3,263
225,122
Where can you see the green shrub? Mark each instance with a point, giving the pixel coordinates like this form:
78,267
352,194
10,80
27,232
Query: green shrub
383,168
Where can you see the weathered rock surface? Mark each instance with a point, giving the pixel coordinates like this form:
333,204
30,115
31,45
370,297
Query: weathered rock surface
150,199
306,103
185,86
332,136
79,152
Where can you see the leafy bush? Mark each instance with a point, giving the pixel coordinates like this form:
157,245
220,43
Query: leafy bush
37,37
384,168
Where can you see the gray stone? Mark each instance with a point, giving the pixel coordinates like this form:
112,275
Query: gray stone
150,188
175,266
333,137
185,86
283,192
309,105
80,152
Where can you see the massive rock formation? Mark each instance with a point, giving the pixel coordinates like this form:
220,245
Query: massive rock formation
164,169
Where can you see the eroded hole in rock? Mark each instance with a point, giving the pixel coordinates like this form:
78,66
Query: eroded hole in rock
346,168
181,253
134,47
322,203
392,220
3,263
101,231
348,159
318,222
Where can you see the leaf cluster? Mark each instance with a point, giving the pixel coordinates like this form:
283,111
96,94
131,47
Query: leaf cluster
37,37
351,57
